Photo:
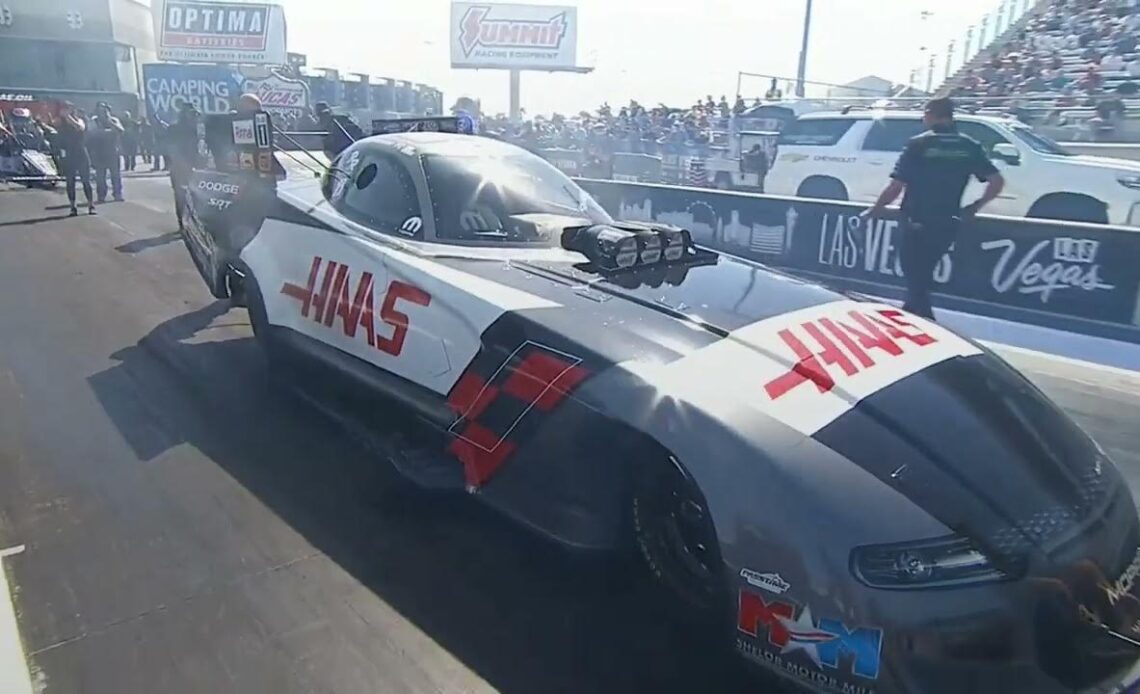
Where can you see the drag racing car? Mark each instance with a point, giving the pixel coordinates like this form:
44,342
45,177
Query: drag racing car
854,498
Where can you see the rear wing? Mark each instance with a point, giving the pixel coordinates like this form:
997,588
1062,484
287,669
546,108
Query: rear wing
439,124
239,143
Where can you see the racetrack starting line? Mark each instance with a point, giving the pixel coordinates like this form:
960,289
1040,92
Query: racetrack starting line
14,675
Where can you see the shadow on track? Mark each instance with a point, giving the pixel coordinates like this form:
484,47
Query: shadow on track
140,245
523,615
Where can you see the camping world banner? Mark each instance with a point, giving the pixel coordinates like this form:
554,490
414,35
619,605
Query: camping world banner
211,88
220,32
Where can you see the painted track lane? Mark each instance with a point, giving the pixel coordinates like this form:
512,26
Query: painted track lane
190,528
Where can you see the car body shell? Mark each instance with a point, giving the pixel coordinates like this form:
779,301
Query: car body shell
813,424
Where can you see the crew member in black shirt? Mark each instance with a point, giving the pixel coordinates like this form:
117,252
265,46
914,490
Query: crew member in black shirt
73,160
934,170
182,153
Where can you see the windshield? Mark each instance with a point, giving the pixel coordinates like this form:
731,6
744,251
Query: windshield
505,199
1039,143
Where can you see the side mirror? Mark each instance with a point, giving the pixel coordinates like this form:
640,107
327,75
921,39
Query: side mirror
1004,151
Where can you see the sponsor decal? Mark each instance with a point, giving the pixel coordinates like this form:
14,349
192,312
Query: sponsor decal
1071,264
849,242
478,28
246,161
411,226
809,367
261,130
9,96
279,95
211,88
788,637
516,36
243,132
215,25
331,298
219,203
834,159
1123,585
771,582
219,187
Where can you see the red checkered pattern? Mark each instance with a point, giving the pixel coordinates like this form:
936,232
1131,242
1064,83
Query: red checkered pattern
495,411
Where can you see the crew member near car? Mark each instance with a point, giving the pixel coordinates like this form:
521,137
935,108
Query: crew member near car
933,170
183,155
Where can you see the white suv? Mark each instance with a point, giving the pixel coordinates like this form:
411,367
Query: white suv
850,157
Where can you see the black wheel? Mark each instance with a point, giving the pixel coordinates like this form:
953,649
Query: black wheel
676,538
1064,207
822,188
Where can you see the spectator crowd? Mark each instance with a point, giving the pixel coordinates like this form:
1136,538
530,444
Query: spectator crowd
1075,54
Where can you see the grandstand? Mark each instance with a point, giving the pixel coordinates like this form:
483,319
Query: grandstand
1069,67
365,97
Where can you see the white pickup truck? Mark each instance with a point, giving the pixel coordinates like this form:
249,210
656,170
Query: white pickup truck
849,156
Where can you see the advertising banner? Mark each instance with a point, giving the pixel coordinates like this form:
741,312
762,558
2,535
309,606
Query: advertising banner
283,97
524,37
220,32
1030,271
211,88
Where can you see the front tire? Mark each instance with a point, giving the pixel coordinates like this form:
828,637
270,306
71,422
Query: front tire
1069,207
675,537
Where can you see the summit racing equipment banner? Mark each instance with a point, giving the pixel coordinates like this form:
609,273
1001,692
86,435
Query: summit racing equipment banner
211,88
520,37
221,32
1073,276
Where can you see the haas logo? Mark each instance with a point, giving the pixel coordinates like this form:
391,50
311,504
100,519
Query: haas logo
477,29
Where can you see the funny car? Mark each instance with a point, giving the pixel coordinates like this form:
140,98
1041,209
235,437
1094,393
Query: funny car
854,498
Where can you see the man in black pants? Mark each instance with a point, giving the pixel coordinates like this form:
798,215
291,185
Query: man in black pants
104,143
934,170
73,159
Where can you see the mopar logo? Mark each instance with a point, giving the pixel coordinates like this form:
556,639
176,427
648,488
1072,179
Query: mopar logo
219,187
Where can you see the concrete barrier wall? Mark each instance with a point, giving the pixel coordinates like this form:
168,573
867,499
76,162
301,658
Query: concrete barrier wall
1078,277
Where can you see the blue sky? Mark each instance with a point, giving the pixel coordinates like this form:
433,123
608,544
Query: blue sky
652,50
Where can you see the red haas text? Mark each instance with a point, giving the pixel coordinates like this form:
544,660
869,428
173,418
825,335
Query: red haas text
332,298
858,342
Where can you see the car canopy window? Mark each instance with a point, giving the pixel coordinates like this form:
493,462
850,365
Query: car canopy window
481,198
817,132
892,134
379,192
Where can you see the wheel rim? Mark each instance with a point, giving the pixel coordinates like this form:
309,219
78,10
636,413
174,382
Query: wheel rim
682,545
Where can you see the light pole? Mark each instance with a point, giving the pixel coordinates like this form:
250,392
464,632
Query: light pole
801,73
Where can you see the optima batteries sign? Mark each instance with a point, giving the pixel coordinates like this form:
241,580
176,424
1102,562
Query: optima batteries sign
523,37
222,32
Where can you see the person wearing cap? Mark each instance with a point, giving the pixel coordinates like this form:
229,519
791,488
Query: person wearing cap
74,162
339,132
182,155
104,143
932,174
248,104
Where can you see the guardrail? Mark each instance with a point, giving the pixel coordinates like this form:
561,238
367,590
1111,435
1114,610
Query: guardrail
1117,150
1072,276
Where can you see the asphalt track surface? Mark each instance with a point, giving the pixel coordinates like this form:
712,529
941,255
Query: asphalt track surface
191,527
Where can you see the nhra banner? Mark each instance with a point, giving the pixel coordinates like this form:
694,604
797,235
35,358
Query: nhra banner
212,89
1078,276
220,32
519,37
